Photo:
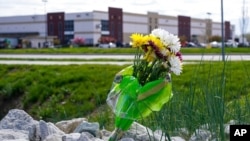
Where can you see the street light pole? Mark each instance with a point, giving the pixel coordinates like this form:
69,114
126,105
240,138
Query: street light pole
222,33
208,15
208,27
45,15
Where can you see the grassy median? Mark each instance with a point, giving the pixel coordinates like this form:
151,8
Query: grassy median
96,50
206,93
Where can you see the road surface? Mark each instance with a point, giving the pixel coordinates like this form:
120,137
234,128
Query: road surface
20,59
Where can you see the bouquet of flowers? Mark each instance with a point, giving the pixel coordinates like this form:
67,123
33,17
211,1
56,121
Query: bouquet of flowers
145,86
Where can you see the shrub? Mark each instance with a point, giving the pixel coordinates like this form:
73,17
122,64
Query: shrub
79,41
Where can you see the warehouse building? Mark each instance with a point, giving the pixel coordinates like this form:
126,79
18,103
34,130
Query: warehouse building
42,30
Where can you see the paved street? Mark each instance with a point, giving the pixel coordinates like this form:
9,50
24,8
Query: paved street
15,59
9,62
63,56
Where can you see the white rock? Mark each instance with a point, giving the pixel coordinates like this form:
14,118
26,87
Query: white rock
53,137
68,126
71,137
9,134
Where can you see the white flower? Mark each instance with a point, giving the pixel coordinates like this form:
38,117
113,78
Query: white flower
169,40
175,65
174,43
164,52
161,33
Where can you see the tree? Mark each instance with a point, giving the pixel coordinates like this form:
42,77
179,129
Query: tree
106,40
79,41
183,40
247,36
215,38
56,41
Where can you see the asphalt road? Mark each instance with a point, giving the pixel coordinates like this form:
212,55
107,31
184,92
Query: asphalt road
26,59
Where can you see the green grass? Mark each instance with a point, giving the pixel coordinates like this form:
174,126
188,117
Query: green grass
216,94
210,93
68,89
95,50
62,60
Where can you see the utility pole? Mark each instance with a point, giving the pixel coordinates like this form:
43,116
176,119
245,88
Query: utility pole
222,33
244,22
45,15
208,27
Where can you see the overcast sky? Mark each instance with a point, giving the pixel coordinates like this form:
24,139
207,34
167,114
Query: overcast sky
193,8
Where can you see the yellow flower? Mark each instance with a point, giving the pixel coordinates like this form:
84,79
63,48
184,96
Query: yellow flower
166,52
158,43
138,40
149,55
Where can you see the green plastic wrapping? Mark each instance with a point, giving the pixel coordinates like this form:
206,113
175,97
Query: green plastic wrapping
130,101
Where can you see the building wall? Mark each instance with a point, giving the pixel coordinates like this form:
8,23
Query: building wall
134,23
79,16
23,24
198,27
22,19
55,25
116,23
134,18
37,42
89,25
26,27
228,30
153,18
184,27
135,27
216,29
200,30
168,23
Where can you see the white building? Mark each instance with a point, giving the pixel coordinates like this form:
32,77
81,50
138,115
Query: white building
38,29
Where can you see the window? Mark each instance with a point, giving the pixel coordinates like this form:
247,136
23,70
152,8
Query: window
112,29
60,35
60,30
60,26
156,21
150,28
67,38
69,25
104,25
51,28
119,31
89,41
